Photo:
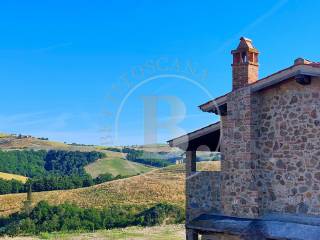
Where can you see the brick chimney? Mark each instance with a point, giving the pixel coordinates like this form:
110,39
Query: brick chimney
245,64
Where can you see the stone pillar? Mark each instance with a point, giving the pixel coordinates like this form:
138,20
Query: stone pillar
191,234
239,187
191,165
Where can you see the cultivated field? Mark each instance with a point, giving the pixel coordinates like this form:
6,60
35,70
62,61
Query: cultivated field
115,164
160,185
9,176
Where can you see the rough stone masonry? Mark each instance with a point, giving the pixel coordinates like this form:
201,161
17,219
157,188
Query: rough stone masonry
270,156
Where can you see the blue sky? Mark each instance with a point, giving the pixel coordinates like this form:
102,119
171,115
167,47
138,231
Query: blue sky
66,67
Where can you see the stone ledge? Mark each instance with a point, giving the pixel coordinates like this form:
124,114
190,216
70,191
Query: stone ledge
269,227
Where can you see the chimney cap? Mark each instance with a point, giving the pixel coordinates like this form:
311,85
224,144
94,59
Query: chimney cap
301,60
245,45
245,39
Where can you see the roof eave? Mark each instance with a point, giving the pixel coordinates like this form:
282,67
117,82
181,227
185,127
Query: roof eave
214,104
292,71
176,142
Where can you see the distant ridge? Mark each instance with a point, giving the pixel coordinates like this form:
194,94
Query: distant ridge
17,142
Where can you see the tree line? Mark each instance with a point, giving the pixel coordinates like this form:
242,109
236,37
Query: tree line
11,186
149,159
25,163
59,182
32,163
70,217
54,182
52,170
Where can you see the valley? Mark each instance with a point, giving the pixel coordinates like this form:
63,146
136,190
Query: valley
118,179
159,185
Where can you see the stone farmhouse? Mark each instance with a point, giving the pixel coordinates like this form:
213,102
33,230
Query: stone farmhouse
269,139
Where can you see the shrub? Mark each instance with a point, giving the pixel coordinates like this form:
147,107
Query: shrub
69,217
162,213
150,159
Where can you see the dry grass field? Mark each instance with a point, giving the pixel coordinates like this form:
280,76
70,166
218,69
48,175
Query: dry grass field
160,185
9,142
156,148
3,135
9,176
209,166
166,232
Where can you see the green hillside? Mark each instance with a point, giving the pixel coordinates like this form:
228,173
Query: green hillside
115,166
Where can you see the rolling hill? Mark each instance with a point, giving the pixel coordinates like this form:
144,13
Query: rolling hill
16,142
160,185
116,166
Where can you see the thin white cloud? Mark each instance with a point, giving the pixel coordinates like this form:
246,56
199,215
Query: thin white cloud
33,120
253,24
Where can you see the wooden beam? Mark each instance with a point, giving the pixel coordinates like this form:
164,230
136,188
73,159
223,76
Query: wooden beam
191,164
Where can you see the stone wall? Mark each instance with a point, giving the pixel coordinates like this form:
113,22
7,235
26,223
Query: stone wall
270,155
239,190
289,148
203,193
271,150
